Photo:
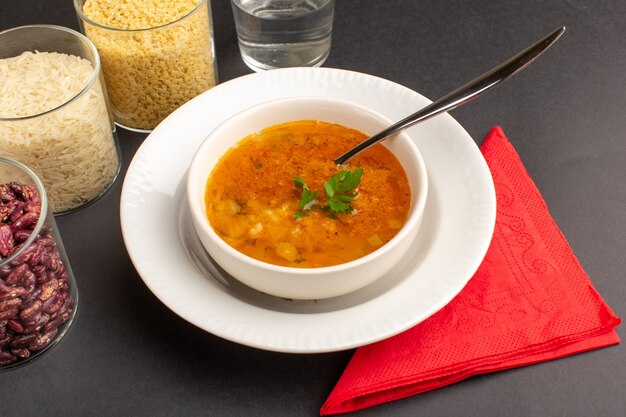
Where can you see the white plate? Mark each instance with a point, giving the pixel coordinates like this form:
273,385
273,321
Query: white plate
456,231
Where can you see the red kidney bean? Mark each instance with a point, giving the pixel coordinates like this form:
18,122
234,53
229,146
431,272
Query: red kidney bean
24,221
54,324
51,259
47,241
3,330
31,294
26,255
10,303
43,320
21,353
15,276
33,207
8,314
31,321
7,210
16,188
28,314
4,271
52,300
20,341
25,192
52,275
37,256
6,194
21,235
41,274
15,325
42,340
18,211
28,281
53,304
35,297
12,292
48,288
6,358
6,239
6,339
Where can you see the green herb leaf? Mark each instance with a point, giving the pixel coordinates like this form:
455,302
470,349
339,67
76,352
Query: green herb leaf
339,189
343,182
299,182
339,206
351,180
330,188
339,192
308,199
345,198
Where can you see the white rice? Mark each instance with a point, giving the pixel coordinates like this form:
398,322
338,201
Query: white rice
71,148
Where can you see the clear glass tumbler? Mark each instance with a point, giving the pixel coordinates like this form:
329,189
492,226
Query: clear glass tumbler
38,294
283,33
55,115
156,56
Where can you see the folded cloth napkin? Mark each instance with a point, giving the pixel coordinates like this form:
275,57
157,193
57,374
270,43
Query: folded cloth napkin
530,301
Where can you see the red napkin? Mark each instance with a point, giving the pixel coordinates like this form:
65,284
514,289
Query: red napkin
530,301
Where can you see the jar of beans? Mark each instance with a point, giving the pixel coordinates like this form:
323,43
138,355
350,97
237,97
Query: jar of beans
38,294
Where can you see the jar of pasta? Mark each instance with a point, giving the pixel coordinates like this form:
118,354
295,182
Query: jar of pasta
156,54
54,113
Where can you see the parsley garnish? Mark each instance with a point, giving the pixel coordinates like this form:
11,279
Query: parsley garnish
340,192
308,199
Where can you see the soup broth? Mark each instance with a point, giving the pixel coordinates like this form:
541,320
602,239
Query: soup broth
251,200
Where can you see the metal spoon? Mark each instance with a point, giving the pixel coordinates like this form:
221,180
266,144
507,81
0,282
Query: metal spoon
463,94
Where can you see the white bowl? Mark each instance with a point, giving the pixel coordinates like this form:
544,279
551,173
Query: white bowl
304,283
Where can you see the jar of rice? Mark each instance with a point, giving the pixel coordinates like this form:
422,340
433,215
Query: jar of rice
156,54
54,113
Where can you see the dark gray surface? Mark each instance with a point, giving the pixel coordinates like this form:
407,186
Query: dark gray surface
128,355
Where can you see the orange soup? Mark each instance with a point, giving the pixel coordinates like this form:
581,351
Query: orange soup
253,202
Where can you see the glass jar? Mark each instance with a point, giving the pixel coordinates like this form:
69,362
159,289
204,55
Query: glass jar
156,56
38,294
54,113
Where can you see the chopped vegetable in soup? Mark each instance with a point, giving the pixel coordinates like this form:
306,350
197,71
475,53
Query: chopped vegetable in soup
278,197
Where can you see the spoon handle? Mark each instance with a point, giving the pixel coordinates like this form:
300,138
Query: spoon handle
463,94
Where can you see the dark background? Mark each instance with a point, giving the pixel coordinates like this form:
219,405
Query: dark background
128,355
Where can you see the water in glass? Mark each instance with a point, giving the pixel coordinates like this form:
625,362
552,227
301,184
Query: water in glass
283,33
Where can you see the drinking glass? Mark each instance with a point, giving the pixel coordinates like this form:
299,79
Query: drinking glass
283,33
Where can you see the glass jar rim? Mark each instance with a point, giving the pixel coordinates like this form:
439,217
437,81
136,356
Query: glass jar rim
82,16
42,214
92,79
